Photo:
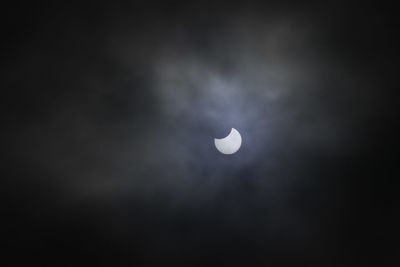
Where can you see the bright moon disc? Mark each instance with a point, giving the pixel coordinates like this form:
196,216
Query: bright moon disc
229,144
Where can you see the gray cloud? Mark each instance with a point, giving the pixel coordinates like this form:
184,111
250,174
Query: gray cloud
127,134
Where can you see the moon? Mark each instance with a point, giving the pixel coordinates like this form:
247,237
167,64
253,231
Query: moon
229,144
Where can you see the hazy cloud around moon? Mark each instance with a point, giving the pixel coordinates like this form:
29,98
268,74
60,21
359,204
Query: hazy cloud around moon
115,116
265,77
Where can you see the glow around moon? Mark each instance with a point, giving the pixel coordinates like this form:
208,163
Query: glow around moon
229,144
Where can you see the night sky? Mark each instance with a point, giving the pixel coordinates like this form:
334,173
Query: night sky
109,114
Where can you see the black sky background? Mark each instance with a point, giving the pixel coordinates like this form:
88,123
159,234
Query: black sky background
109,113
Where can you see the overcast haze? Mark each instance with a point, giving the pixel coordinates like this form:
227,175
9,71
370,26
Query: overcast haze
111,113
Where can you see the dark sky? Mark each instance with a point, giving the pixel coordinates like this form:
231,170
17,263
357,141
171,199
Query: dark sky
110,113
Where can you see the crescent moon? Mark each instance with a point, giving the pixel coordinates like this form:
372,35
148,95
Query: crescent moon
229,144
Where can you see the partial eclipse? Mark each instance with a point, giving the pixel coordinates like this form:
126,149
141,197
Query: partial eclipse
229,144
